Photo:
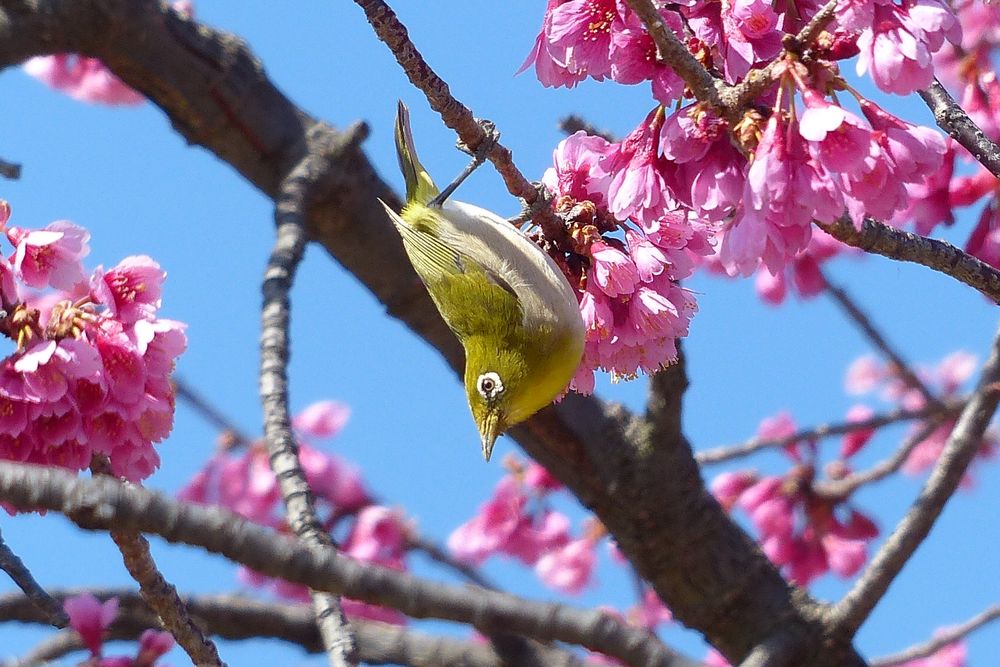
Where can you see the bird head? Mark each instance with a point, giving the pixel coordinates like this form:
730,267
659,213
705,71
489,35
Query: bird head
494,386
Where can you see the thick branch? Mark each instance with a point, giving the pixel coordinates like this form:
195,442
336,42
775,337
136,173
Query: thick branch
940,639
237,617
961,448
951,118
887,241
100,504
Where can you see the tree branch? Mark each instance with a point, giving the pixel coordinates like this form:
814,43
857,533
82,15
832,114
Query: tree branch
866,326
457,116
158,593
753,445
940,639
848,614
50,608
10,170
294,198
573,123
952,118
217,95
236,617
887,241
100,504
208,412
840,489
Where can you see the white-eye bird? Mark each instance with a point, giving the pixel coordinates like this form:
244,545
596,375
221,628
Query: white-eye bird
506,300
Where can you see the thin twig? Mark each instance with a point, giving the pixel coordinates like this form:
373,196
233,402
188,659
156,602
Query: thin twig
208,412
951,118
439,555
728,452
290,212
156,591
963,443
867,327
940,639
10,170
237,617
20,575
51,648
456,115
842,488
887,241
102,503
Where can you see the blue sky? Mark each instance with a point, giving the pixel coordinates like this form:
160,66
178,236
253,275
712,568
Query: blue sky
139,188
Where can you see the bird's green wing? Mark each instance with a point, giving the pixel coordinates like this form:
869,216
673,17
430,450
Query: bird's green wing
469,296
420,186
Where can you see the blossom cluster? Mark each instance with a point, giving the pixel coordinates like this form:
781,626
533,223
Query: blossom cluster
800,530
90,371
518,522
89,617
868,375
688,186
515,522
242,481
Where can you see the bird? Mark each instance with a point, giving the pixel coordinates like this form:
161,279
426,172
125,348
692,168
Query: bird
506,300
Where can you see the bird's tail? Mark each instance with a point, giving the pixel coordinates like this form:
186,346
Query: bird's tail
419,184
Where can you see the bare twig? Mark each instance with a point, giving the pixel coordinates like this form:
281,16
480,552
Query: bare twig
842,488
102,503
237,617
439,555
866,326
158,593
208,412
51,648
291,208
952,119
728,452
963,443
10,170
456,115
20,575
898,244
940,639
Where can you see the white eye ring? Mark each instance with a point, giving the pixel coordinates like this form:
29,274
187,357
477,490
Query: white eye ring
489,385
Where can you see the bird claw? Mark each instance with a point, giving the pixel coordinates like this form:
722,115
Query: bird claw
491,137
542,200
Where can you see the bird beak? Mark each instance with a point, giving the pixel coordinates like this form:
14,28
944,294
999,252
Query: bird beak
489,431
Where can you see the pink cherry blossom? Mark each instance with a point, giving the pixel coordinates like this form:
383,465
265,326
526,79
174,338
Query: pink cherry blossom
131,290
729,486
634,57
864,375
576,159
550,61
650,612
49,257
837,138
323,419
614,271
639,174
568,568
582,29
90,618
898,46
858,438
82,78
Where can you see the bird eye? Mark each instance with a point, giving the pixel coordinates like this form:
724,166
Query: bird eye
489,385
